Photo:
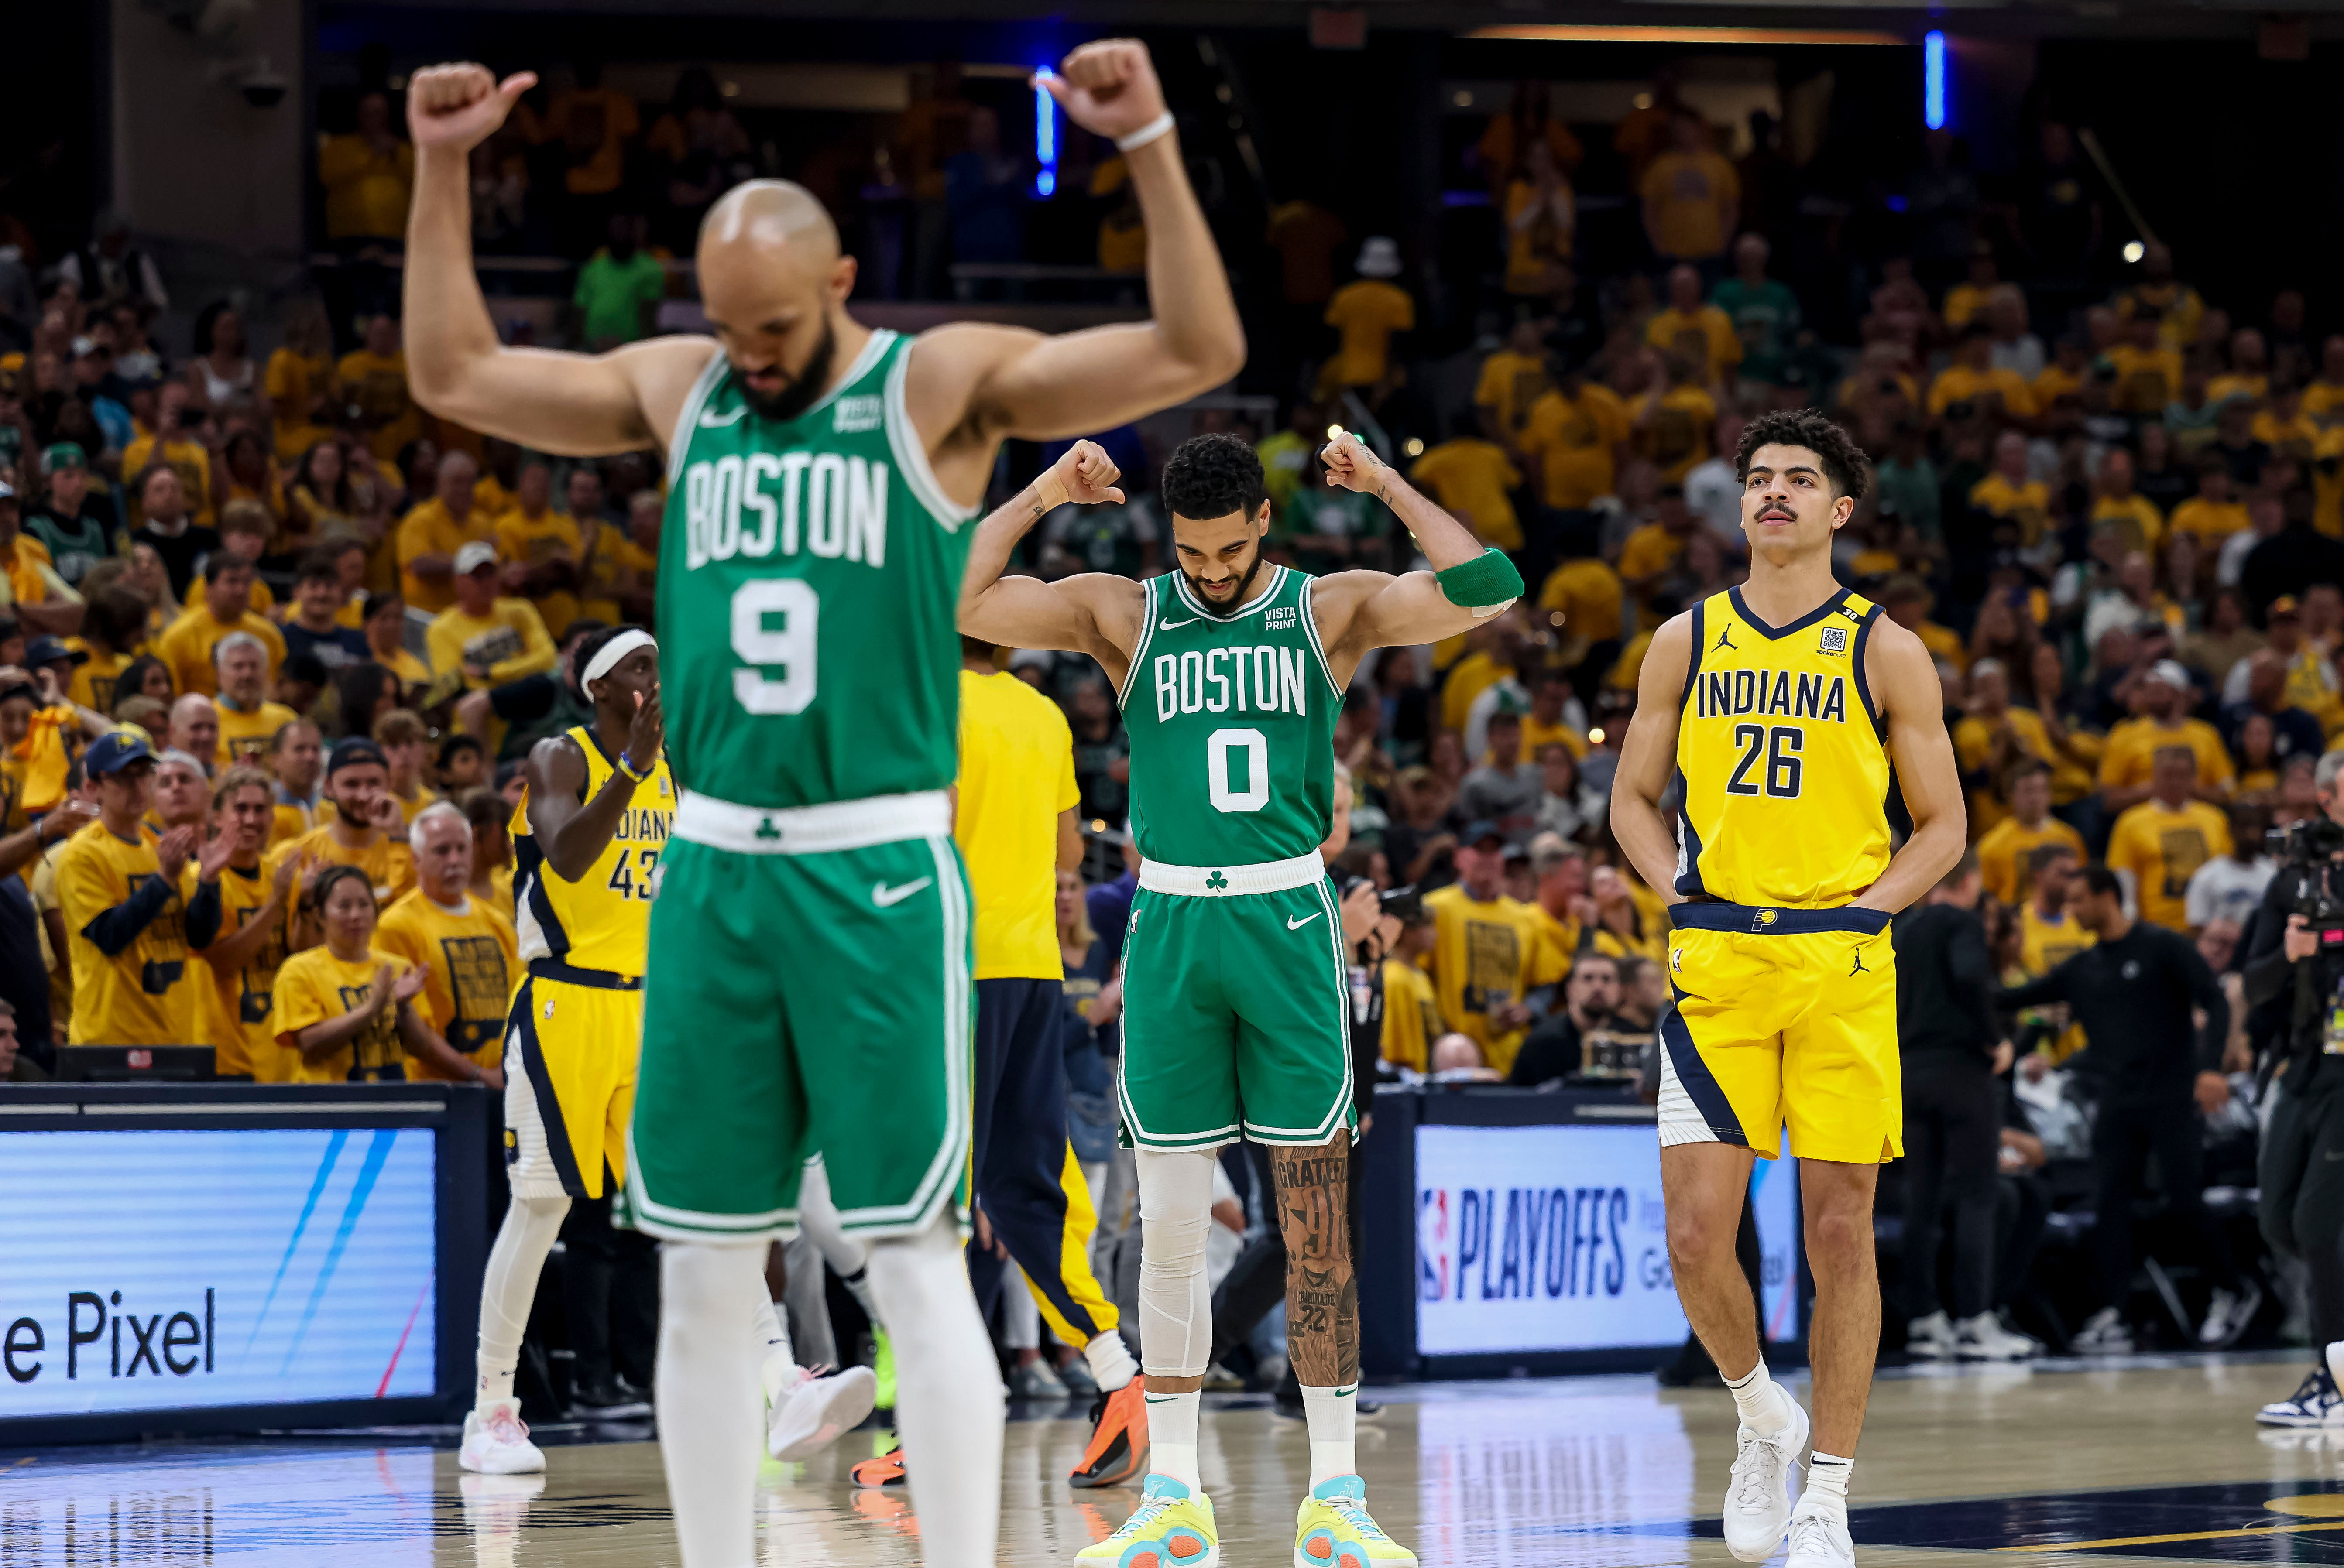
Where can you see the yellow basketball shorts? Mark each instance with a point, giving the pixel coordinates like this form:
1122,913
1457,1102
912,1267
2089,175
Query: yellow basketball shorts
1783,1016
571,1044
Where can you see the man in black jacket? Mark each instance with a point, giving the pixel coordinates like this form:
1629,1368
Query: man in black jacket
1557,1049
1952,1051
2156,1072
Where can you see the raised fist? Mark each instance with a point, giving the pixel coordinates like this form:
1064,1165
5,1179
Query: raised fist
1088,474
459,106
1350,466
1109,88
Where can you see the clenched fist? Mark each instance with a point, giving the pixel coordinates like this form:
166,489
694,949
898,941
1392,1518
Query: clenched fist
1109,88
459,106
1350,466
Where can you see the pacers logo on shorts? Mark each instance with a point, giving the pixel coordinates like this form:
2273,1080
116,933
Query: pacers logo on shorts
513,1147
1763,921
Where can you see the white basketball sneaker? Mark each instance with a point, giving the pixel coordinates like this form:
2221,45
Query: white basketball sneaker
1819,1537
1931,1339
1983,1338
1758,1497
498,1444
813,1414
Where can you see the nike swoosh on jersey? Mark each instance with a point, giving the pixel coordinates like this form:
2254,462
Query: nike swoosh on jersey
887,898
1297,925
1174,625
711,422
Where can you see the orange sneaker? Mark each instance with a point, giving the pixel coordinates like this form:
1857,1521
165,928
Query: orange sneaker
887,1469
1118,1454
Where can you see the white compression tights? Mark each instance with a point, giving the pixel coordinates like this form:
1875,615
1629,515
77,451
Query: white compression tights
709,1398
948,1402
1176,1302
510,1287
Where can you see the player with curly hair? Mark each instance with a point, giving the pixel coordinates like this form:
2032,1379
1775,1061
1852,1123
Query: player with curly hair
1775,710
1231,670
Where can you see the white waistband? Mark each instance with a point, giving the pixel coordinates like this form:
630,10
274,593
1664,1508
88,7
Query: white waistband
1228,881
812,830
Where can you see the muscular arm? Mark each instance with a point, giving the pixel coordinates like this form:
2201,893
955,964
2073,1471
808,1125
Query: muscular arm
1648,757
573,405
571,833
1093,613
1364,610
1911,698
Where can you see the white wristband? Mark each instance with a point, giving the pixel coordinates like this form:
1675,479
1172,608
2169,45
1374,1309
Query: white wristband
1145,133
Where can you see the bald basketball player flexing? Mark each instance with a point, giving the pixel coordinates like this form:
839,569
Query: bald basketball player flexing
808,981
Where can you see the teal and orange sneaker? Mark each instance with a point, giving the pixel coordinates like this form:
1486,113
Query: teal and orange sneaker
1171,1528
1333,1530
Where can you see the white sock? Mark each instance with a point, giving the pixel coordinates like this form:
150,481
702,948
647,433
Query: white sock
509,1288
711,1429
948,1399
1333,1416
777,1367
1172,1437
1763,1406
1827,1476
1110,1362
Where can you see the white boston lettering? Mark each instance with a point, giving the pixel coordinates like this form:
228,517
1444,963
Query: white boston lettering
1214,676
794,468
867,512
758,539
724,509
829,504
696,486
1167,687
1192,681
826,507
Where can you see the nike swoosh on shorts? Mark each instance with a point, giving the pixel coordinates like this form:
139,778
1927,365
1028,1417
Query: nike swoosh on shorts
1297,925
886,897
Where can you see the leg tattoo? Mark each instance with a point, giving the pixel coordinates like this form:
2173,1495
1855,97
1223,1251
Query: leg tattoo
1322,1291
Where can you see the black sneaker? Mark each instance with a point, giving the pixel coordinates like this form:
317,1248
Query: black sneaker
606,1399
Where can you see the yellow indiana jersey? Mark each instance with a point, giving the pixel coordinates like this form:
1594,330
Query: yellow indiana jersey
603,920
472,962
1781,758
313,987
232,1006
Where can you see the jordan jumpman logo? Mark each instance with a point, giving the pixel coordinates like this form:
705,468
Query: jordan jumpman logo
1859,968
1724,639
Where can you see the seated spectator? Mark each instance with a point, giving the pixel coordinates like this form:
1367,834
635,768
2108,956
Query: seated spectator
2161,843
2005,852
1623,927
1504,788
2230,888
431,533
1587,1039
489,639
406,742
249,722
297,756
2294,732
462,765
357,785
1566,914
465,948
237,928
191,644
2116,503
2148,371
1973,378
1720,346
119,889
1671,424
545,552
2161,701
2015,348
171,443
1991,738
316,626
343,1012
76,521
192,725
371,381
2215,513
1908,601
2012,504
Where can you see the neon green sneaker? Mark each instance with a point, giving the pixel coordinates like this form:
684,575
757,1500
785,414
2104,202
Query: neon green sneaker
882,1367
1333,1530
1171,1528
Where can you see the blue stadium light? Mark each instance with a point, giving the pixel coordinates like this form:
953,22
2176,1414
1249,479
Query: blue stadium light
1933,91
1045,140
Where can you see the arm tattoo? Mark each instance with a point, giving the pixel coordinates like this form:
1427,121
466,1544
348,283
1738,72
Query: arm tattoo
1322,1291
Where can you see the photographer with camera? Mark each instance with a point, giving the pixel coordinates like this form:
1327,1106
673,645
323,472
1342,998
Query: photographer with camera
2296,958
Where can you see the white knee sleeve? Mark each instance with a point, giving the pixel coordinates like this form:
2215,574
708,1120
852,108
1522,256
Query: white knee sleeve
948,1402
1175,1303
708,1398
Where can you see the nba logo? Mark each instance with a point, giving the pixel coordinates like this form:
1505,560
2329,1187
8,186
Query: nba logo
1835,639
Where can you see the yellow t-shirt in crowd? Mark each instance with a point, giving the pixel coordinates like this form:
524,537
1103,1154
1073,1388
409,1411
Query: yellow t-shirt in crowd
430,530
1973,746
2328,483
1689,200
2028,507
612,553
185,457
1574,439
2162,850
1470,476
2146,378
1538,736
365,189
1508,385
1366,312
390,866
2222,389
1960,384
377,383
2296,437
2136,518
2052,383
2003,850
2211,522
1963,301
510,641
1016,776
145,995
233,1006
410,807
471,962
2133,745
294,382
548,536
245,737
1651,550
1468,677
94,678
1533,247
1486,956
2045,942
260,602
1720,342
1590,597
1411,1016
187,645
315,987
1674,430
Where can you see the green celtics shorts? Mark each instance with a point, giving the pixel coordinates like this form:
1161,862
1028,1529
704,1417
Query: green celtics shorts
1235,1009
807,992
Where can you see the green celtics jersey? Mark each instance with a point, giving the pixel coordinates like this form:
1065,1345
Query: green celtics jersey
809,574
1232,724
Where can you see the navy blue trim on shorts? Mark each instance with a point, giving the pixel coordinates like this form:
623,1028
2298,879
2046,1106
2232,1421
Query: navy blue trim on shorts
522,1032
571,974
1856,660
1758,919
1698,1083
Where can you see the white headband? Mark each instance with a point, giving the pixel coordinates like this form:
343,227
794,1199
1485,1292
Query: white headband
606,656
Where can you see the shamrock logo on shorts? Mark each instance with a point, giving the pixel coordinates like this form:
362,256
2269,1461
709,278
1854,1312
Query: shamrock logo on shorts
1216,881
